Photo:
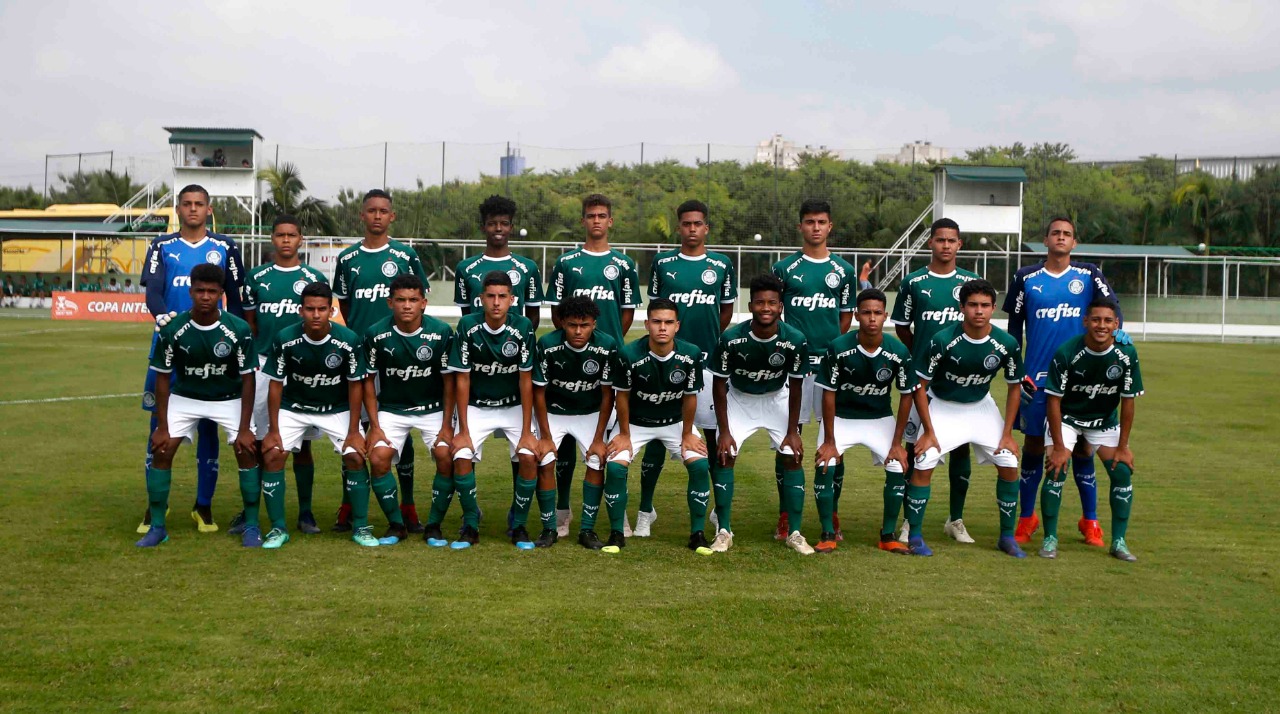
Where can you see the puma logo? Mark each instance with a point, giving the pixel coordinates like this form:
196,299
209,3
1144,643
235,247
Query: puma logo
1038,288
577,270
927,293
670,275
954,358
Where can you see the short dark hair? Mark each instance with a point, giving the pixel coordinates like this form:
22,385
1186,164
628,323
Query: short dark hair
767,282
871,294
977,286
814,205
943,223
597,199
408,281
664,304
375,193
578,306
496,277
208,273
1057,219
318,289
496,205
285,219
1100,302
193,188
691,205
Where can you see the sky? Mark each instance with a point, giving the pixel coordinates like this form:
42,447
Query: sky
571,81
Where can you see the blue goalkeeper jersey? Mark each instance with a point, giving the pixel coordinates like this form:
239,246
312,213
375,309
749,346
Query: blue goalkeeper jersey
166,272
1050,310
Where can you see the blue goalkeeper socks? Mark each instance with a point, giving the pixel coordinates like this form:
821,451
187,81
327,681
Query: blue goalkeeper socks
1029,483
1086,480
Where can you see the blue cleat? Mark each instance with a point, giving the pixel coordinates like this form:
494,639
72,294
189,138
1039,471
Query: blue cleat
917,546
155,536
252,537
1009,546
434,537
467,537
307,523
520,539
238,525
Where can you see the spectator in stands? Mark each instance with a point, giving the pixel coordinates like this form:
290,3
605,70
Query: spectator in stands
193,158
55,285
8,291
113,286
38,287
244,164
219,157
24,287
864,277
130,288
85,285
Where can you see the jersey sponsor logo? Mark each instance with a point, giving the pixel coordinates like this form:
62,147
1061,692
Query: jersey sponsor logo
390,268
777,358
410,372
590,367
317,380
691,299
333,360
514,275
814,302
659,397
580,385
946,314
597,292
1095,390
991,361
493,368
182,281
1061,311
677,376
884,374
221,350
1113,372
205,371
278,309
758,375
970,380
423,353
610,272
832,280
865,390
709,277
1076,286
375,293
509,349
298,286
213,257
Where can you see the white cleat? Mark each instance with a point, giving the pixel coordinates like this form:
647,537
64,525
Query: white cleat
644,523
714,520
723,541
796,542
904,535
626,527
956,530
562,522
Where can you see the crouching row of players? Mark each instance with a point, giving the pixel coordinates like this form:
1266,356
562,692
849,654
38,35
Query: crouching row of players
489,377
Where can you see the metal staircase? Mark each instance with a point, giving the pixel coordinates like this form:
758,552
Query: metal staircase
909,246
150,198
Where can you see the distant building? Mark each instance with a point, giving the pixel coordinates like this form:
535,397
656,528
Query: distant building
1238,168
785,154
917,152
512,164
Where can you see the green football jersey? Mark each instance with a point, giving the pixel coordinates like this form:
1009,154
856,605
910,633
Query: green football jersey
657,385
861,379
756,366
814,294
698,286
574,379
928,302
525,280
274,294
363,276
315,374
960,369
609,279
206,362
497,356
1091,384
410,367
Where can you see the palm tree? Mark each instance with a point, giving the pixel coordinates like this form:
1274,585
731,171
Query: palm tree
1208,203
285,183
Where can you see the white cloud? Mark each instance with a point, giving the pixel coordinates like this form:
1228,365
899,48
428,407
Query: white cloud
667,59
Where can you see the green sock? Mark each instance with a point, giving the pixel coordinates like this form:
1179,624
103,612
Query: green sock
655,455
384,491
158,481
357,489
722,480
547,508
566,462
959,468
793,482
615,495
342,479
824,496
250,493
895,487
1121,498
699,492
917,499
304,475
1007,502
591,494
521,499
837,483
1051,501
273,491
441,497
465,487
778,478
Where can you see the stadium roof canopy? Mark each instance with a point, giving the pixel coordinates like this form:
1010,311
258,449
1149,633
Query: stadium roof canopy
1129,249
986,174
211,135
59,227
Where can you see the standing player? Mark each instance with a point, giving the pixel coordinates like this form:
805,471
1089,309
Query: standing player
1089,377
704,288
856,374
407,388
573,397
929,301
961,363
210,353
497,344
166,275
658,381
611,281
759,367
1047,300
308,365
360,282
818,292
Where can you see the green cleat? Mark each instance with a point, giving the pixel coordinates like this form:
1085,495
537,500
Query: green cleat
1120,551
1049,549
276,538
364,536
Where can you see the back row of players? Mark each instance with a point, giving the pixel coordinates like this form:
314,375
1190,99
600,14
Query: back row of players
793,362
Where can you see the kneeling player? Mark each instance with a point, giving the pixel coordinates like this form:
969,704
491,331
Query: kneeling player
1089,377
573,396
657,381
759,367
960,364
856,375
497,344
211,352
308,364
407,388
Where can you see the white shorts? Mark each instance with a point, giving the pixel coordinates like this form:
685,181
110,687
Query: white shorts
396,428
483,422
670,436
1094,437
875,434
956,424
185,414
262,420
705,415
810,400
297,427
582,427
749,413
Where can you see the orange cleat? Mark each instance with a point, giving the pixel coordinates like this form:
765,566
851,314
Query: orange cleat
1092,532
784,527
1026,528
893,546
826,543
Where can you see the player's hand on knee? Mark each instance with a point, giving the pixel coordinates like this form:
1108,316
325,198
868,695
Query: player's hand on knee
598,451
159,440
726,448
926,441
1122,455
1058,459
546,447
355,442
899,454
793,446
528,443
462,442
1008,444
444,437
272,442
693,442
826,455
245,443
375,437
617,445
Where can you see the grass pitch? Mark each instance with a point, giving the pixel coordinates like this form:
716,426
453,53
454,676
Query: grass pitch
92,624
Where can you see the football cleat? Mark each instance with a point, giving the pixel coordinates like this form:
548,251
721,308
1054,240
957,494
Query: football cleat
251,537
155,536
203,516
1120,551
1049,548
723,541
796,542
783,529
1092,532
617,541
409,512
395,533
434,537
956,530
307,523
343,523
698,543
562,522
904,535
547,539
835,521
467,537
363,536
889,545
145,525
626,526
520,538
714,520
1026,528
589,540
1009,546
237,524
644,523
275,538
826,543
916,546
